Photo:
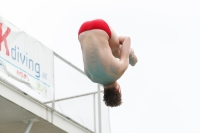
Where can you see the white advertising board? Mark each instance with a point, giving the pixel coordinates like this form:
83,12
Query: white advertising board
25,60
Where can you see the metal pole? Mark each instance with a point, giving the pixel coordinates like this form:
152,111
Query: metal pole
53,102
94,100
109,120
76,96
69,63
99,106
28,127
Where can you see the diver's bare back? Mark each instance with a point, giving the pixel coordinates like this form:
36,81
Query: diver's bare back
97,57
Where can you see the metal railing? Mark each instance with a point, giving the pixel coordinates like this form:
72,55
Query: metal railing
97,104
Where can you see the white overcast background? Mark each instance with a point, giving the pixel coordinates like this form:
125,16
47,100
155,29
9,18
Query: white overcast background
161,94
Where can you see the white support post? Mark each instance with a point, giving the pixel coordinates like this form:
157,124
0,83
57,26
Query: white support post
53,102
29,124
99,107
94,100
28,127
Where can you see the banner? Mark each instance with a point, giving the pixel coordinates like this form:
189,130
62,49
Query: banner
25,60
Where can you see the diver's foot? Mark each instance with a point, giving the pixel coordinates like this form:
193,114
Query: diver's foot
132,58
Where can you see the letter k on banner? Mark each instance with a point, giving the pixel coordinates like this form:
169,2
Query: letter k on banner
3,38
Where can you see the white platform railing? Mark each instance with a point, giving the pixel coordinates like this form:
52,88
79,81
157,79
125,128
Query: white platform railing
73,90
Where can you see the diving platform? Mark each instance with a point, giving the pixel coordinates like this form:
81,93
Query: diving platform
18,110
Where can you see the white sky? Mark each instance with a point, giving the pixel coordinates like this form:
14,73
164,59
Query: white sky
161,94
